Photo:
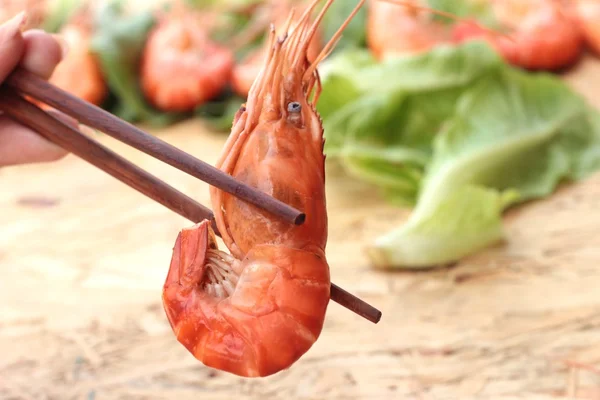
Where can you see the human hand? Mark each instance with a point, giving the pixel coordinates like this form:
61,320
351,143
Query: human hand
38,52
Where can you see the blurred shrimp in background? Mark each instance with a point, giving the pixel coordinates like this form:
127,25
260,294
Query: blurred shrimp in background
182,67
532,34
80,73
398,28
587,13
540,34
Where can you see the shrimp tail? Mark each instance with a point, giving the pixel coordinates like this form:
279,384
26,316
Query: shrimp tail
244,317
190,298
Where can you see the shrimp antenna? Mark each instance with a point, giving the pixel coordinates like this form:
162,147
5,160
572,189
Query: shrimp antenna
313,28
454,17
334,40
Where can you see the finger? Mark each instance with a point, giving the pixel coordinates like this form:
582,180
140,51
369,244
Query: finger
21,145
12,45
42,53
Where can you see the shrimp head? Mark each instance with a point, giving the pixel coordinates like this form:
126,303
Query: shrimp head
276,143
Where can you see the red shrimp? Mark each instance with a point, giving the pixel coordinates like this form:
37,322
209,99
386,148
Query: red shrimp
541,36
182,67
257,310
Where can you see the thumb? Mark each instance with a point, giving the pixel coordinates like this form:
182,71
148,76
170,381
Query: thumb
12,45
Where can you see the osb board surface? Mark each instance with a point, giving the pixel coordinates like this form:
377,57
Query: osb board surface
83,259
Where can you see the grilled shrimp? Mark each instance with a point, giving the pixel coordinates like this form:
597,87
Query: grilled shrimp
256,310
182,67
542,36
398,28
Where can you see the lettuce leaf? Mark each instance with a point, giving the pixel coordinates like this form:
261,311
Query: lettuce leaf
457,134
380,119
514,137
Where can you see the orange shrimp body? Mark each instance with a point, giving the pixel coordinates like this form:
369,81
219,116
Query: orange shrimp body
245,72
397,29
80,73
181,66
542,36
588,14
257,310
252,317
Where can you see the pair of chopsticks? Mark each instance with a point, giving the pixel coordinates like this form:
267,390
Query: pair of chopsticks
22,83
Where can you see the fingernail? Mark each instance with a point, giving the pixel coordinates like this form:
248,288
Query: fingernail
64,46
13,25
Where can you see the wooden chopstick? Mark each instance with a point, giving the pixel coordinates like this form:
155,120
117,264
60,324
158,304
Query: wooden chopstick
88,114
71,139
100,156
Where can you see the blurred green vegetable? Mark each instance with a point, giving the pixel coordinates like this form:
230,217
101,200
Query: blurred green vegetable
218,114
59,12
355,34
473,9
380,118
459,133
229,4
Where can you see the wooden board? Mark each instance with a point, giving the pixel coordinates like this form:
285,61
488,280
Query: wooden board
83,258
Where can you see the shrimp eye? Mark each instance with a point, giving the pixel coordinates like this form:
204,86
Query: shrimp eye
294,107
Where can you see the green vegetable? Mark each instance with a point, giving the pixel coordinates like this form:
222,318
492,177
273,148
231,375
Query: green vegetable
59,12
219,113
355,34
514,137
118,43
459,134
232,4
480,10
380,118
